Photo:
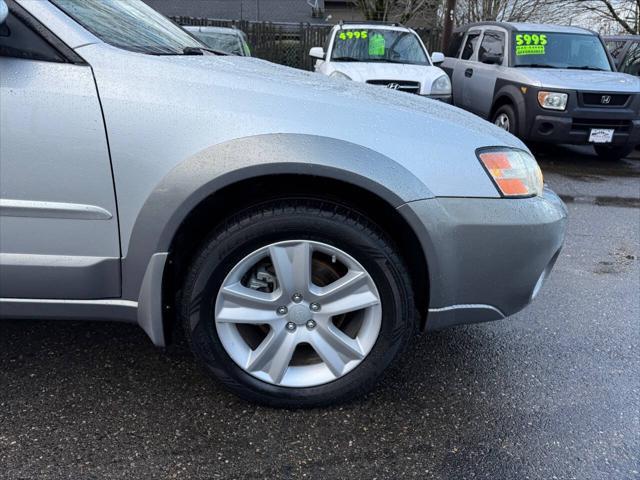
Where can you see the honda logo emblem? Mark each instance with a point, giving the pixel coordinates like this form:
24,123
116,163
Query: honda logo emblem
393,86
605,99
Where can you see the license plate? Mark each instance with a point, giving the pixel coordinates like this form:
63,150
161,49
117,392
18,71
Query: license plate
601,135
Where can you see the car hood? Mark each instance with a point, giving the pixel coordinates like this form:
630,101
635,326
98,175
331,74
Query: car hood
361,72
294,91
579,79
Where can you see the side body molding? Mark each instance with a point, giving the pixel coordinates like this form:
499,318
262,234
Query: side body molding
216,167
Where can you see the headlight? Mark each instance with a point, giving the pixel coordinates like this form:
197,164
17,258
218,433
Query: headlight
441,86
340,75
553,100
514,172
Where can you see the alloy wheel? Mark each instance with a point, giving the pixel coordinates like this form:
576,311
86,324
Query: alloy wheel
298,313
502,121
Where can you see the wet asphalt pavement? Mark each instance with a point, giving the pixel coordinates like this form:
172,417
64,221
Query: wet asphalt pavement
552,393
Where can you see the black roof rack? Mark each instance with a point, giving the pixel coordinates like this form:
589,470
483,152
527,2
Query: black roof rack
373,22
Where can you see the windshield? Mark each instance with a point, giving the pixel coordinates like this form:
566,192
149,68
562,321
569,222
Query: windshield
378,45
226,42
559,50
129,24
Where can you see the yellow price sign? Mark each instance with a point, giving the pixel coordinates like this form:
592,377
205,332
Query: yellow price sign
353,34
531,39
530,44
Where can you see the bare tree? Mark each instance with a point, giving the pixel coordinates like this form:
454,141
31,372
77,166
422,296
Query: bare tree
606,16
609,16
547,11
396,10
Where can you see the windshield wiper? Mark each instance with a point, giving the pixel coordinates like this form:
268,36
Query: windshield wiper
586,67
536,65
201,50
346,59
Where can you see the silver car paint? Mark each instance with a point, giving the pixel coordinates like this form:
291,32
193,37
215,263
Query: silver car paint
56,192
461,96
181,127
474,89
576,79
184,105
221,165
465,244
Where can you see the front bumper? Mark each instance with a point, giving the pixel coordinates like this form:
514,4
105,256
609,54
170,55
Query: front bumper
574,125
487,258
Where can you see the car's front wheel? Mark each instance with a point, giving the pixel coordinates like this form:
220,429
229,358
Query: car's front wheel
298,303
505,118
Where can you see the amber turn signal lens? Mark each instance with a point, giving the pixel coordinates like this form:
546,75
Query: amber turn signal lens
515,172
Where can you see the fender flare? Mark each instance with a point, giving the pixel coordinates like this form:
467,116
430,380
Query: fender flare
219,166
515,96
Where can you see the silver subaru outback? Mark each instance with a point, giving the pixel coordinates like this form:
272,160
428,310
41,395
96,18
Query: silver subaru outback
545,83
299,228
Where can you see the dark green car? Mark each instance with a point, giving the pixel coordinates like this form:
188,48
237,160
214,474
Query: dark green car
229,40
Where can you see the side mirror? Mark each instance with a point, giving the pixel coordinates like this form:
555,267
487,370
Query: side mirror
315,52
491,58
437,58
4,11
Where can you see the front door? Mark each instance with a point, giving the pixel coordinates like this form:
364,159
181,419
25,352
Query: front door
480,87
464,69
58,219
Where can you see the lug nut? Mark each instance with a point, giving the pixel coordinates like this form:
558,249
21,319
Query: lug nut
297,297
315,307
282,310
311,324
291,326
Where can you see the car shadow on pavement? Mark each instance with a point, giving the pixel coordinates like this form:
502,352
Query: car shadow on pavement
100,391
86,353
97,400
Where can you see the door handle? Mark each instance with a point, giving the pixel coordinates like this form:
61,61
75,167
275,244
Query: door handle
468,72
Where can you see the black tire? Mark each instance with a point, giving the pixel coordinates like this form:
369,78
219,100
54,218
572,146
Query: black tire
301,219
612,154
510,112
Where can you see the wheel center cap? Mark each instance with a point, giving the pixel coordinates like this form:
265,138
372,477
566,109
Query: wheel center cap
299,314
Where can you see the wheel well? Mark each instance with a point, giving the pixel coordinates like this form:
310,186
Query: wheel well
232,199
503,100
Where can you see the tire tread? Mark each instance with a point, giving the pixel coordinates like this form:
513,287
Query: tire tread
236,223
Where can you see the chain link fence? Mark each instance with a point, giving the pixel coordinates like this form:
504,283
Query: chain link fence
288,43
